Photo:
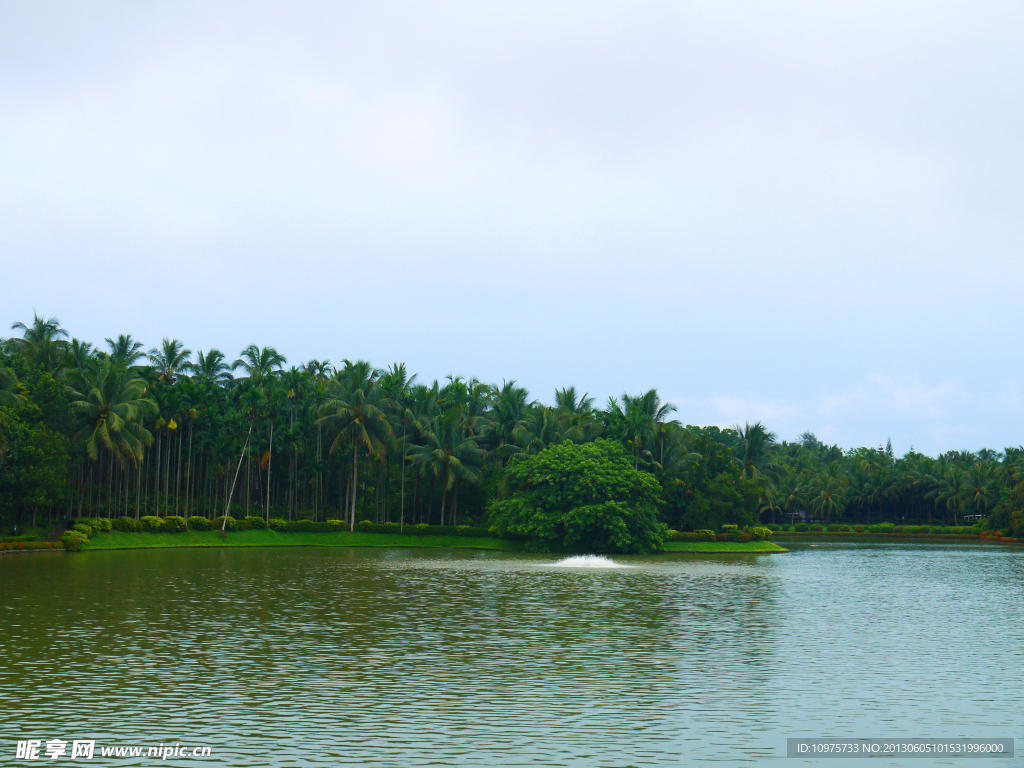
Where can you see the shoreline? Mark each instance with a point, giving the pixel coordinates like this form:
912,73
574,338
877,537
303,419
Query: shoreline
112,540
853,535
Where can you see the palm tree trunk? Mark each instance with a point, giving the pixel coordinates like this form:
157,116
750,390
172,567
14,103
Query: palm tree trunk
188,473
401,519
378,496
110,481
159,453
227,504
430,500
355,484
270,456
415,498
167,478
177,480
317,494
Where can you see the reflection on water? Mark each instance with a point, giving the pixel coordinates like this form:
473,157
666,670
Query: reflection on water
413,657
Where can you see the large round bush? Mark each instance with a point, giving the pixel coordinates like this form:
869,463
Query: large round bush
581,498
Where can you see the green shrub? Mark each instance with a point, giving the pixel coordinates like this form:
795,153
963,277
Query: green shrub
730,528
845,529
859,529
817,527
175,524
28,543
733,536
422,529
312,526
760,533
74,540
127,524
278,524
773,527
199,523
801,527
366,526
702,535
901,528
151,523
232,524
254,523
82,528
936,529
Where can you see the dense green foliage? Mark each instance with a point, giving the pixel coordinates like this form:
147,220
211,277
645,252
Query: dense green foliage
583,497
126,435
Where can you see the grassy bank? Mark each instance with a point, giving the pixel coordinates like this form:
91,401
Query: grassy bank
120,540
267,538
723,547
862,535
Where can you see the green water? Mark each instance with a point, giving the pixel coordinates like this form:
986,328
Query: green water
316,657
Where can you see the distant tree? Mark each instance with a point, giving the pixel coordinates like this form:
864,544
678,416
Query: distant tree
125,349
583,498
169,358
43,344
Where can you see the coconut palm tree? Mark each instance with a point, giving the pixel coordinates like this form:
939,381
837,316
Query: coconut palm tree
754,448
982,490
568,401
790,490
169,358
9,396
262,366
260,363
43,344
111,407
450,455
828,495
79,355
356,412
397,383
509,412
125,350
212,367
543,428
953,491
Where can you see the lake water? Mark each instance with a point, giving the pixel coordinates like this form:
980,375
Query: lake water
310,656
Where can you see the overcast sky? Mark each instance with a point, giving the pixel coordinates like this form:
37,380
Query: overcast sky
805,213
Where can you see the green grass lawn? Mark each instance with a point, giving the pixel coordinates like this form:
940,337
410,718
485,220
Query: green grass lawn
723,546
120,540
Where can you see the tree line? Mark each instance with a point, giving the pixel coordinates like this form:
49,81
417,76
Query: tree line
118,429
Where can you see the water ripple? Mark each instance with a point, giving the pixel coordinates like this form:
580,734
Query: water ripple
308,657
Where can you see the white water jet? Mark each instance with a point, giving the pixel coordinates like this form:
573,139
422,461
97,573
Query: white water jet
587,561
